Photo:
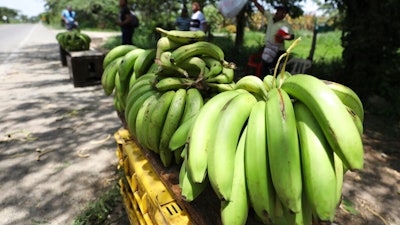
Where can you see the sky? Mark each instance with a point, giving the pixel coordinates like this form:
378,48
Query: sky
26,7
34,7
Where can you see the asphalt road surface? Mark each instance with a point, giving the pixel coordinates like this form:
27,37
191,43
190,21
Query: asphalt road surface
57,150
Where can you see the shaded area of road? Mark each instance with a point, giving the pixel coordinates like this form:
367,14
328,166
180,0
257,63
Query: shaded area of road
57,150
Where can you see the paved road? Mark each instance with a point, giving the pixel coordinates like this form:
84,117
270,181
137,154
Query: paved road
42,112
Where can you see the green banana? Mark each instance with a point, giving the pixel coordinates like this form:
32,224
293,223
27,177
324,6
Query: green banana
183,37
171,123
126,66
190,190
283,149
131,116
258,178
268,81
194,102
318,169
214,65
121,96
157,119
144,61
180,136
108,76
173,83
201,132
142,120
235,210
116,52
196,49
339,171
194,66
337,124
225,77
348,97
222,87
166,68
253,84
166,44
221,151
134,95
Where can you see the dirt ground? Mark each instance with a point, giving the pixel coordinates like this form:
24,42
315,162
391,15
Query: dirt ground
57,150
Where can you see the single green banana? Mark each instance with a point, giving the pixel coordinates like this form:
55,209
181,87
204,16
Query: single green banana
214,65
357,120
119,94
258,178
221,151
180,136
108,76
166,44
167,68
144,61
196,49
183,37
236,210
268,81
225,77
126,66
203,129
331,114
194,66
194,102
134,95
339,172
173,83
157,119
190,190
132,115
142,120
222,87
116,52
171,123
283,149
348,97
253,84
318,169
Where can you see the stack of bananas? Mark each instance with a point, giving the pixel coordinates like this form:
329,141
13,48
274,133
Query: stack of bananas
73,40
279,145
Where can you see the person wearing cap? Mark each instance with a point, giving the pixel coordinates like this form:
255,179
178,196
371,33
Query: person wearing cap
182,22
68,16
278,31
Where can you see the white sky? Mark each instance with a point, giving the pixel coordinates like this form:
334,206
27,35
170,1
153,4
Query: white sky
26,7
34,7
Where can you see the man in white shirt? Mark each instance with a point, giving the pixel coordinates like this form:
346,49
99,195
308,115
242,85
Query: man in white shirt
278,31
198,20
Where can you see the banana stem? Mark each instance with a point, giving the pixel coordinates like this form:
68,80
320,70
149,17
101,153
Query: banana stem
286,54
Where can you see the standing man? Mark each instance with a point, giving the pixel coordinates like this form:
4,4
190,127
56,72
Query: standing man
278,31
198,20
68,16
125,22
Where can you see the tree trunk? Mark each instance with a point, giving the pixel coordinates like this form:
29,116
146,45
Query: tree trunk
240,22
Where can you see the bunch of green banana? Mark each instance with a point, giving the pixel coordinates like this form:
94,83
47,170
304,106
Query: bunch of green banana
73,40
279,145
298,133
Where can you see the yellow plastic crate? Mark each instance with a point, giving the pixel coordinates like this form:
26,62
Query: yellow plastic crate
146,199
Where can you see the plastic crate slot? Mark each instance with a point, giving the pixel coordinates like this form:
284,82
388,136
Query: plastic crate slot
172,209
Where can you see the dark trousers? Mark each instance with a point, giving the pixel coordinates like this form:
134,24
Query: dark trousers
268,68
127,34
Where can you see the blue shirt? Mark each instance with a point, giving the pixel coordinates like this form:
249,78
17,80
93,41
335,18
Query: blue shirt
69,15
182,23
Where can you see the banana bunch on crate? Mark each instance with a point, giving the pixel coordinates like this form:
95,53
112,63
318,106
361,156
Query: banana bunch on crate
73,40
279,145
